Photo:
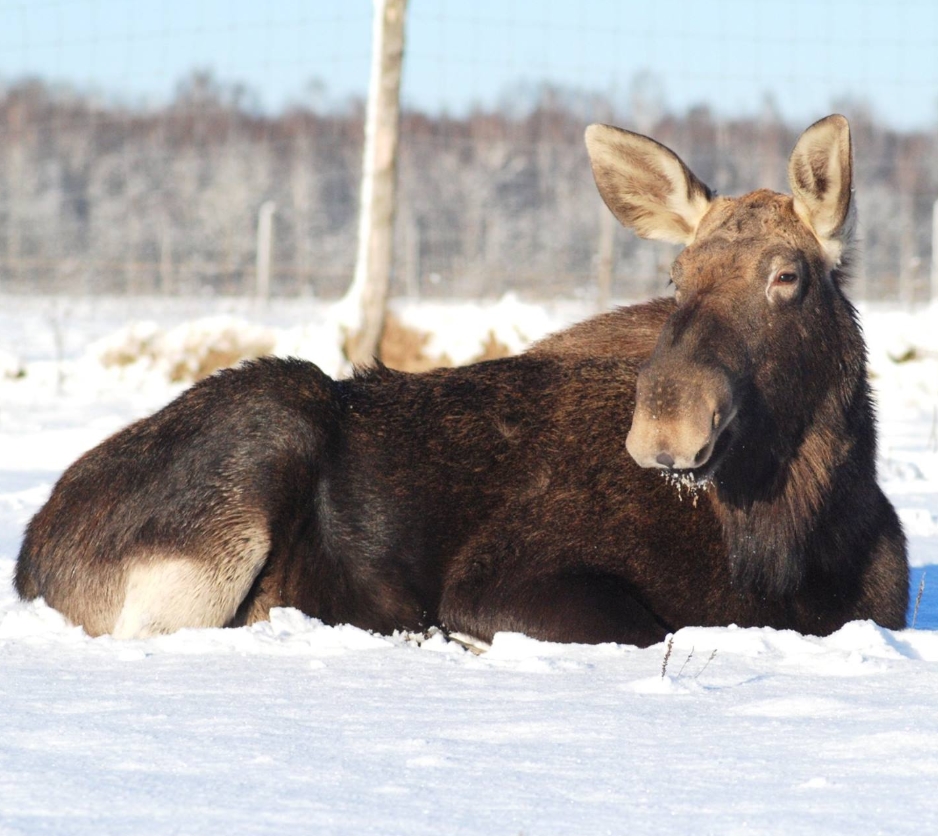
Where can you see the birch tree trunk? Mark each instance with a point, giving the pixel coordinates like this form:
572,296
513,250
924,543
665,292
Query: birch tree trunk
366,298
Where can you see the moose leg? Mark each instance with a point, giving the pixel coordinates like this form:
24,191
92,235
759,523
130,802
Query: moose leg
581,607
167,592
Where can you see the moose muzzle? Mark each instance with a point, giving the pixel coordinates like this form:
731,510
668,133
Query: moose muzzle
679,416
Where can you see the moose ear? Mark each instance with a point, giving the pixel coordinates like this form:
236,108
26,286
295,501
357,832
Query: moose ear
645,185
820,173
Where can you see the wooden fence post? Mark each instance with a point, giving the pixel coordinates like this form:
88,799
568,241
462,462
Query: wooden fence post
265,231
934,253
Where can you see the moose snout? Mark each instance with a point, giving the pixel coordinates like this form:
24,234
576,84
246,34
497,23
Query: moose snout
678,420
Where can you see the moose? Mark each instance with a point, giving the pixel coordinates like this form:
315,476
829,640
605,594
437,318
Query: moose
702,459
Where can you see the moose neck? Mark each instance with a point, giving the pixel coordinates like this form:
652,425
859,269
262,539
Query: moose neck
789,480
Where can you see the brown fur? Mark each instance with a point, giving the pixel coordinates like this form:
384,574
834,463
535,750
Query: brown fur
532,493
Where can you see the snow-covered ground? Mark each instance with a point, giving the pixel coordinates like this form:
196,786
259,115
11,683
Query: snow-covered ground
291,726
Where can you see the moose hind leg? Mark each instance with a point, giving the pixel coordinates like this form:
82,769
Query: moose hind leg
168,592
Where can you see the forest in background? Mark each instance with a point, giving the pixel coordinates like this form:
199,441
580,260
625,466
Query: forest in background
102,197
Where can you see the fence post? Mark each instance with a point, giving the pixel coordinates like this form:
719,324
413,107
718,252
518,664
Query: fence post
265,230
607,244
367,296
934,252
167,287
412,256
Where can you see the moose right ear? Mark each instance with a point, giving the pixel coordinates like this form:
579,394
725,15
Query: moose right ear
645,185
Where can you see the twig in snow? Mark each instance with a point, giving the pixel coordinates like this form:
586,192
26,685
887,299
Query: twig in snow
706,663
689,657
667,655
918,600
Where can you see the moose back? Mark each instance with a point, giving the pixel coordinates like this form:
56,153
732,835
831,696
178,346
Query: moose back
705,459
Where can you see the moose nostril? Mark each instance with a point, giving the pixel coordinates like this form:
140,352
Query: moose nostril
701,456
665,460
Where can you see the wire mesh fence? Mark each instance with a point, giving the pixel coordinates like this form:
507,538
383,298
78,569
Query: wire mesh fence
143,171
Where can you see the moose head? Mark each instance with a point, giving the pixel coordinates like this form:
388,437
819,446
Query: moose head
754,285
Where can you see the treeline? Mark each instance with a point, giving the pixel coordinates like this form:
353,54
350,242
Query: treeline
99,197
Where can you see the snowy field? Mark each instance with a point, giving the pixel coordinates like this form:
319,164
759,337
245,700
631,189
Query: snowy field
291,726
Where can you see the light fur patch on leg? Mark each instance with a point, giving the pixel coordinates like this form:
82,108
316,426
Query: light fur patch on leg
167,593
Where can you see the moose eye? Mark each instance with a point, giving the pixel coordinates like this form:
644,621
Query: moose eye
784,285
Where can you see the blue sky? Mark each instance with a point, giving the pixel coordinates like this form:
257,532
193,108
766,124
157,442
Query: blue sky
808,54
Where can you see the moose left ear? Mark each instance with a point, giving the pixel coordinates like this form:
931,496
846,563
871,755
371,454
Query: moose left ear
820,173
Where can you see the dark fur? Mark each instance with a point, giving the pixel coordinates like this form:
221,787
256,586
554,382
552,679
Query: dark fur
495,497
500,496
